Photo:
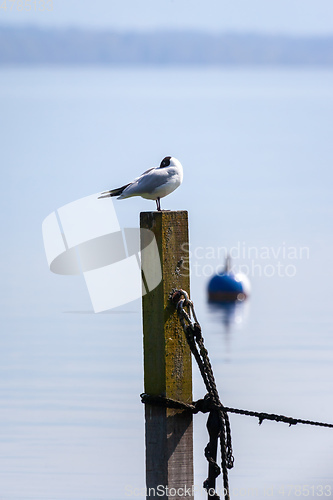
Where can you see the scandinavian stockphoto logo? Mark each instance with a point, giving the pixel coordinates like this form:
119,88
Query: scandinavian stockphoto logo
85,237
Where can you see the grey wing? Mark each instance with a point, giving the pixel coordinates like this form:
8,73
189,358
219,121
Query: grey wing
139,176
146,172
148,181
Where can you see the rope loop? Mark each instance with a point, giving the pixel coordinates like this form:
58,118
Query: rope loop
218,424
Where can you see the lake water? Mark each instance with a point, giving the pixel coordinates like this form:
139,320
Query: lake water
257,150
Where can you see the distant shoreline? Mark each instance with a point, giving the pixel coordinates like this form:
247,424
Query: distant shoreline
31,45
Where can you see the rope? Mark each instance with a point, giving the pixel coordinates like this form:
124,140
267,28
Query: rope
205,405
218,424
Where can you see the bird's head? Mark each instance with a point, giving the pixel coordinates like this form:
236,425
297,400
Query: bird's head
169,161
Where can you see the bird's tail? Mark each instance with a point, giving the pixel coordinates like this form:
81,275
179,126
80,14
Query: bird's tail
113,192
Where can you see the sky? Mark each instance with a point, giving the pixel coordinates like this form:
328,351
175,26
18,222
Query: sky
297,17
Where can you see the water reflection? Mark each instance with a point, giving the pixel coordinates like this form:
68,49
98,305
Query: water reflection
230,314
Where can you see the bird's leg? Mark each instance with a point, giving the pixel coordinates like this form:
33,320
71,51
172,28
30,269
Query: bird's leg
158,204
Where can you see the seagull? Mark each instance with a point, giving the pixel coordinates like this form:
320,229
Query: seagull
153,184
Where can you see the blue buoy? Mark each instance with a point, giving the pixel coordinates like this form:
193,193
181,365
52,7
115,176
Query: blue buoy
227,286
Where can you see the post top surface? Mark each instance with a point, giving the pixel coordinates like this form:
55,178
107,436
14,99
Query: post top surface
165,212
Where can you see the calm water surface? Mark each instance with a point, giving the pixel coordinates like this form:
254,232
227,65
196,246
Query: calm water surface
257,153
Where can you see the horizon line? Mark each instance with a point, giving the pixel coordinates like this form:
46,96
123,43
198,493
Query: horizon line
159,30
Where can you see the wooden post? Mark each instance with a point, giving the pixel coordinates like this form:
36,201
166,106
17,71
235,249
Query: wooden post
167,363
